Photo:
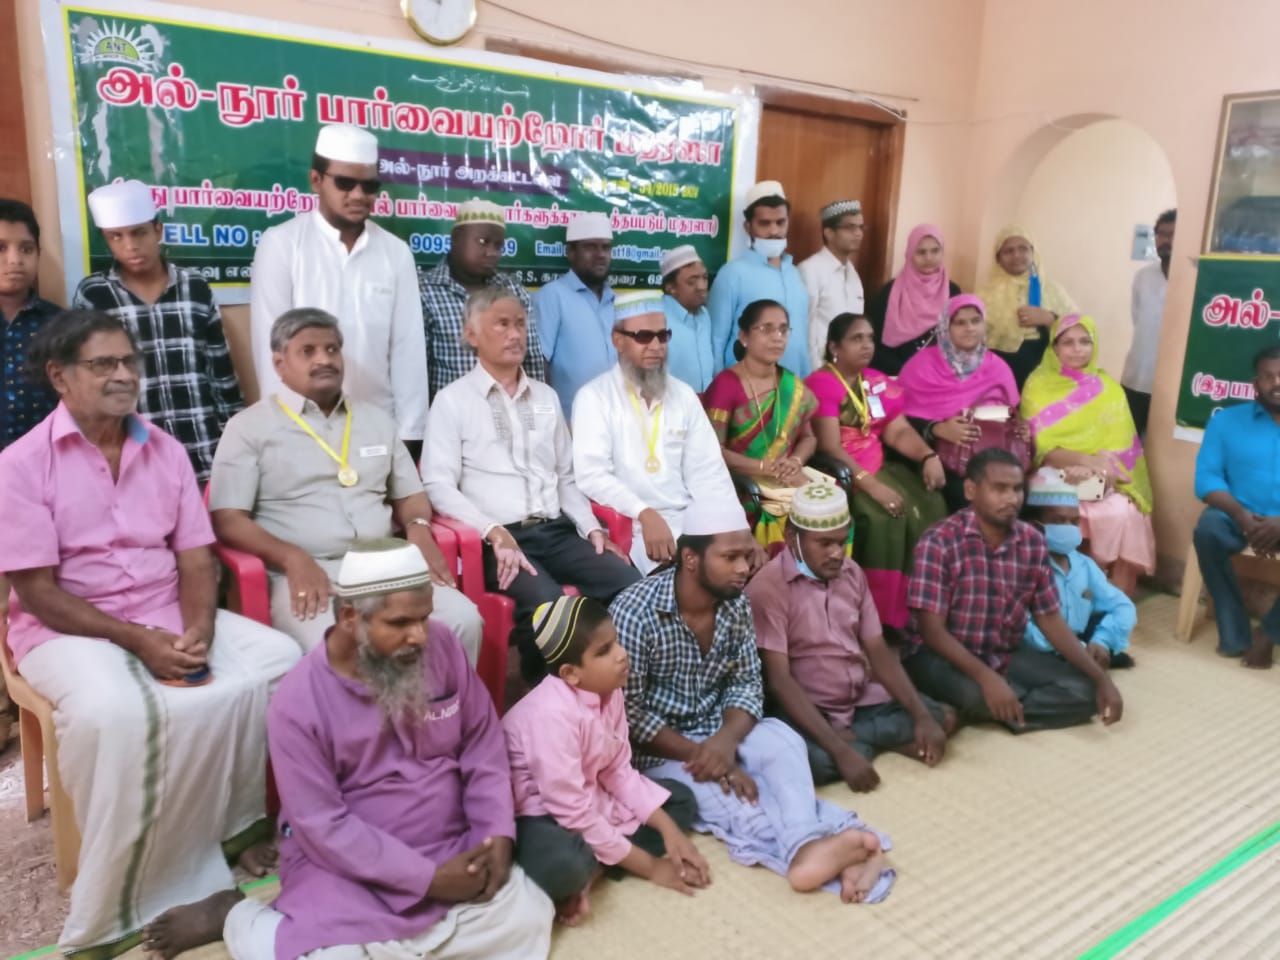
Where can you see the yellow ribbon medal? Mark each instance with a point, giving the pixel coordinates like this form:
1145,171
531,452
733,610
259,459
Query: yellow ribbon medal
347,476
652,464
859,404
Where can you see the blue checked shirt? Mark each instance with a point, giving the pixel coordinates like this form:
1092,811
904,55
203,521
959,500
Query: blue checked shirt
27,399
671,683
189,387
448,355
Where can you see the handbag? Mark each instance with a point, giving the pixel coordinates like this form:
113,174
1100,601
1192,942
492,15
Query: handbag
995,432
776,501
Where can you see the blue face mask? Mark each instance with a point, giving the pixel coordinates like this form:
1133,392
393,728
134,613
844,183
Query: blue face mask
804,567
1062,537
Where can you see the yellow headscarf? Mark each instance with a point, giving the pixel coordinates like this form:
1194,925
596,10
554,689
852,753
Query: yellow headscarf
1005,293
1084,411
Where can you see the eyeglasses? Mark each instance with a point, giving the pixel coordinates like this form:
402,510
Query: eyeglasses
105,366
646,337
347,184
771,331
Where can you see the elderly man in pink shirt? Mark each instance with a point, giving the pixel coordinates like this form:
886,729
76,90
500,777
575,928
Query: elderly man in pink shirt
160,700
820,642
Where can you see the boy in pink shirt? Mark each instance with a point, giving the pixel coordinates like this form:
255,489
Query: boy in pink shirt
579,802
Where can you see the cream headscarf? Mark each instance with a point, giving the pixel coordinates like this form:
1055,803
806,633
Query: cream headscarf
1005,293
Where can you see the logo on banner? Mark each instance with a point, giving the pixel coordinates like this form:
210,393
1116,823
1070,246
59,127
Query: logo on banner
119,43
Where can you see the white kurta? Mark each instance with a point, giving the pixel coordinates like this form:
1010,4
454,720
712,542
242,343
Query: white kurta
834,288
372,290
611,444
1149,287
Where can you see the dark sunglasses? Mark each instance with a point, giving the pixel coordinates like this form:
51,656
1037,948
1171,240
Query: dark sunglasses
347,184
646,337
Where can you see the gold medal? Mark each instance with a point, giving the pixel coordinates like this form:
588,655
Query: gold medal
653,464
348,477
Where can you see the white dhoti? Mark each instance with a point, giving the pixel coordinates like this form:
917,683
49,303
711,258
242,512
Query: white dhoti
158,776
450,607
514,925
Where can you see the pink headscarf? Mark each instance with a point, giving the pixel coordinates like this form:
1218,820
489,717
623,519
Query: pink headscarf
916,299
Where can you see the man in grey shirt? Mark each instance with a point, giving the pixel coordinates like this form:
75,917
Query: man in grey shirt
305,472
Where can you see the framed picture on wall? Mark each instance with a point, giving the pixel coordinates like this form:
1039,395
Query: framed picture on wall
1244,198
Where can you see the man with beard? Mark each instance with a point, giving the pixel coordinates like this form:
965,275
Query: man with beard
695,699
397,820
693,357
642,444
978,576
114,621
336,259
304,472
575,311
475,247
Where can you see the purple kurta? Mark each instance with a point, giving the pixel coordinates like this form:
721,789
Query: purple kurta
370,808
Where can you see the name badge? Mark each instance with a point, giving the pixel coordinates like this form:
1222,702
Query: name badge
879,387
544,408
875,407
378,451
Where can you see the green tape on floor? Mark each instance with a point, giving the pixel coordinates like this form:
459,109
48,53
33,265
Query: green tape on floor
1123,938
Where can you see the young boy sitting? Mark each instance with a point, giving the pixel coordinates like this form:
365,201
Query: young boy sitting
1099,613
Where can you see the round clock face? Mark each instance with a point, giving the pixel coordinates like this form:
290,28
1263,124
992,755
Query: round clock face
440,21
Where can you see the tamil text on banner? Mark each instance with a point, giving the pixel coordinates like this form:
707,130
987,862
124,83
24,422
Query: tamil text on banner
219,115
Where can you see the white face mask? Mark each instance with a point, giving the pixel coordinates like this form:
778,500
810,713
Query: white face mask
771,247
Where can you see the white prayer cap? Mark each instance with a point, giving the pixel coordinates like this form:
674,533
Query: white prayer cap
763,190
589,226
678,257
347,144
709,517
819,507
640,304
476,210
839,208
376,567
125,203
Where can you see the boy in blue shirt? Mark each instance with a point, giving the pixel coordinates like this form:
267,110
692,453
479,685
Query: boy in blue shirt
1099,613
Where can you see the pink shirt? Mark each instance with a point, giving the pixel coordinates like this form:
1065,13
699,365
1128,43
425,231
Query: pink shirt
821,628
571,760
112,543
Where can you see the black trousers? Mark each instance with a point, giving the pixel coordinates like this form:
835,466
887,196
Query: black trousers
561,863
1140,407
561,557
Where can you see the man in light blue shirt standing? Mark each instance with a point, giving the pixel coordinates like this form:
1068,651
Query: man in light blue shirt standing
1238,478
575,311
692,357
765,272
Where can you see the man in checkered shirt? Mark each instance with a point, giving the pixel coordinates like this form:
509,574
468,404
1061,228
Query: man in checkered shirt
977,577
189,387
475,247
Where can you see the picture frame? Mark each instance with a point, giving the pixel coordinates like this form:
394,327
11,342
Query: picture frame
1243,218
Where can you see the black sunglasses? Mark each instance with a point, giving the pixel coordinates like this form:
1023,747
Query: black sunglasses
646,337
347,184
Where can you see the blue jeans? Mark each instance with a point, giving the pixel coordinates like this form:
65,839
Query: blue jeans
1218,538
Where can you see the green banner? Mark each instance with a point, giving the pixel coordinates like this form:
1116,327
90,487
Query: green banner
221,120
1234,315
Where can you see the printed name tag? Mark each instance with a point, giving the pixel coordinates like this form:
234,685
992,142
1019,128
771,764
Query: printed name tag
544,408
378,451
879,387
875,406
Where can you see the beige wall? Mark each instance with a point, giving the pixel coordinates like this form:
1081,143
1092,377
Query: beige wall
1083,202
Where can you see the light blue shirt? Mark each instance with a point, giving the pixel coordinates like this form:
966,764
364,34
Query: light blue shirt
749,277
1084,590
1241,455
692,356
576,331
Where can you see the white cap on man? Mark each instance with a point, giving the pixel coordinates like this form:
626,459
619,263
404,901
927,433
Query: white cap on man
589,226
380,566
347,144
678,257
710,517
764,190
125,203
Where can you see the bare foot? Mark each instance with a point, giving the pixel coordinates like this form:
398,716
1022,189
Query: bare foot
821,860
260,859
1258,657
189,926
859,879
573,911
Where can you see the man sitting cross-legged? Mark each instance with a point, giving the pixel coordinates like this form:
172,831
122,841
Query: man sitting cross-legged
396,818
306,471
694,699
160,700
978,576
820,641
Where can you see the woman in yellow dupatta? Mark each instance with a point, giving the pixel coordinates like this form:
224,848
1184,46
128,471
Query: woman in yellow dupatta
1081,424
1021,303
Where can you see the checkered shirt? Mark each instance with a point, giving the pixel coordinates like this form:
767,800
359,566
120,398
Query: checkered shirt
27,399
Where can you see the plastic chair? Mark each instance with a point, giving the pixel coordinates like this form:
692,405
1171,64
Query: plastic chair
39,742
1189,602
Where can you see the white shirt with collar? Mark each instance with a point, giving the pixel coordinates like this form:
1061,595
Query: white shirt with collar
372,290
491,459
611,445
834,288
1149,288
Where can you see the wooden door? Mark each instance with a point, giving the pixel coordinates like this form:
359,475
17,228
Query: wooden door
820,157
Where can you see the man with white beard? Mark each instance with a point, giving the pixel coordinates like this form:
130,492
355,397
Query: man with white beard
397,820
642,444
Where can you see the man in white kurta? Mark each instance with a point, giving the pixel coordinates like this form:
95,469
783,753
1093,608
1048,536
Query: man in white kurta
642,444
337,259
829,275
